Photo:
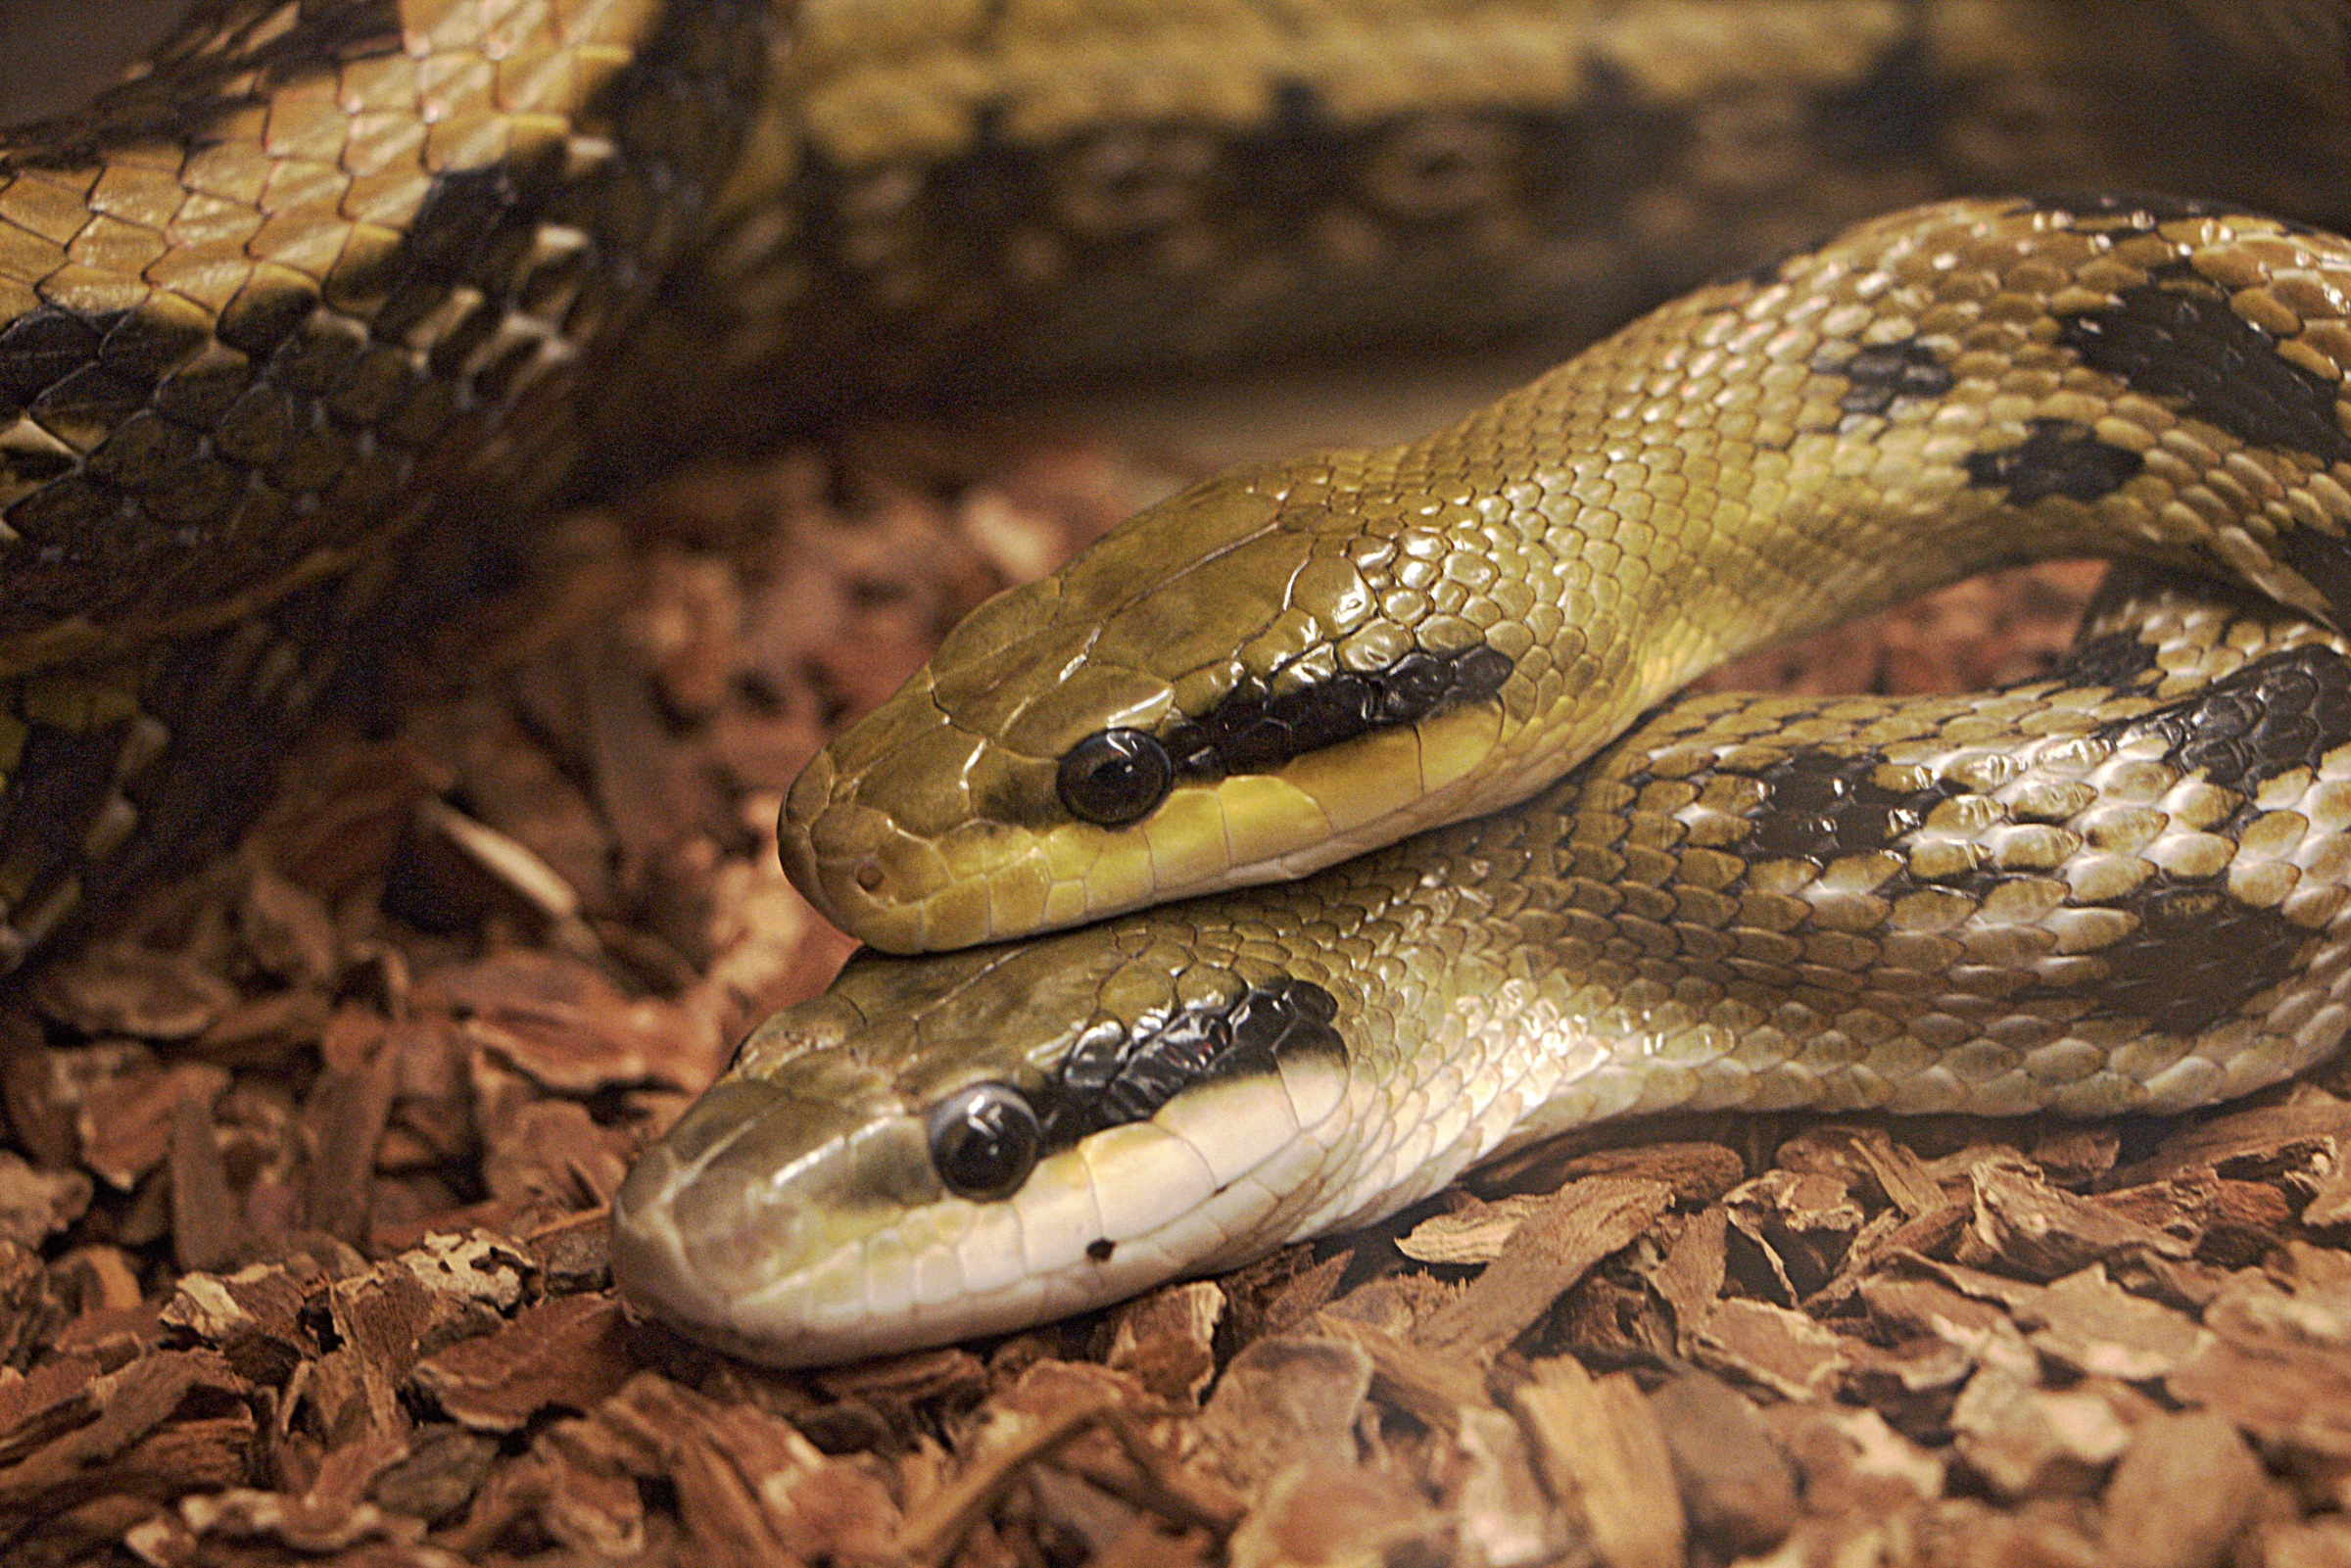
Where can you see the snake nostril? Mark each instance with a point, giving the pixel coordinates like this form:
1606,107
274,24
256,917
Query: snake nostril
870,876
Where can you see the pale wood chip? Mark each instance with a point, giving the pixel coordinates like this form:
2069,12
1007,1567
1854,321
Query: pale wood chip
1602,1452
1852,1462
1550,1251
1469,1235
2026,1441
1503,1518
1770,1348
2088,1323
2184,1492
1287,1399
36,1205
1329,1513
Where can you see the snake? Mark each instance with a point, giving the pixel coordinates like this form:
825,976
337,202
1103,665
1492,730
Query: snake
304,318
2118,888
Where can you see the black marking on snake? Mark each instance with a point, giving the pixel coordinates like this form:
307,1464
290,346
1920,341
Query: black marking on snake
1254,730
2177,338
2197,957
2118,660
2276,714
1117,1073
42,347
1101,1250
1881,375
1824,805
2058,457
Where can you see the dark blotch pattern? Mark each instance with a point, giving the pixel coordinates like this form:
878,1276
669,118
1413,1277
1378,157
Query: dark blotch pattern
1883,372
2118,660
2177,339
2275,715
2325,561
2058,457
2197,957
1117,1073
1254,732
1823,806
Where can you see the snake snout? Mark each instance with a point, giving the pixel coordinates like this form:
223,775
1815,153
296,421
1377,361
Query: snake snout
760,1191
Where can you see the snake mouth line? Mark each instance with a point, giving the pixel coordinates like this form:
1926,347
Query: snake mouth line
789,1240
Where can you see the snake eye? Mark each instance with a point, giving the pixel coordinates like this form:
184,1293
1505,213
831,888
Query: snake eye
983,1141
1113,776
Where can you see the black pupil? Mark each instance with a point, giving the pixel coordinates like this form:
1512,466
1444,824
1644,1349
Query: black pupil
1114,777
983,1141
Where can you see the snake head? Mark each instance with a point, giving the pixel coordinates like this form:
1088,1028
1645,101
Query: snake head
939,1148
1233,688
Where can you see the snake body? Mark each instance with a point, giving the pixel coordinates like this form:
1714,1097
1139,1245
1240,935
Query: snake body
2121,888
298,320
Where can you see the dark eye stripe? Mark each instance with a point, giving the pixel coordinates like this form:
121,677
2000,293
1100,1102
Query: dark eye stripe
1254,730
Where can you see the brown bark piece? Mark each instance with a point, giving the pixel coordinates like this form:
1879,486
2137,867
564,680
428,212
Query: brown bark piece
125,1123
1899,1178
1544,1256
205,1229
1168,1340
1602,1452
2037,1231
567,1027
2184,1493
114,988
570,1352
1287,1399
1737,1489
1771,1348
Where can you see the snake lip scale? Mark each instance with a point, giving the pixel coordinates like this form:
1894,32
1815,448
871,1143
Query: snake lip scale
1330,825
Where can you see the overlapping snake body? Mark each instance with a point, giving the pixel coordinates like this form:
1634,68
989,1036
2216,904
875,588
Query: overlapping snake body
277,317
2121,888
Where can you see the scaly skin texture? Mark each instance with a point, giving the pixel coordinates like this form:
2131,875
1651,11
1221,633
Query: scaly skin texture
2119,889
1929,394
333,295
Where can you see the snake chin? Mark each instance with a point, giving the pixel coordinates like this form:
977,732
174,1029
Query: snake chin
796,1221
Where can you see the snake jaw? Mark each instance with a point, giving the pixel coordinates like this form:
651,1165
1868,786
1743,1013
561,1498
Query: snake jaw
794,1216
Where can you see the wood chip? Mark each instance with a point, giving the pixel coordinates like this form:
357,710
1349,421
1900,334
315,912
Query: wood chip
1738,1491
571,1352
1602,1452
1544,1256
1287,1399
2184,1493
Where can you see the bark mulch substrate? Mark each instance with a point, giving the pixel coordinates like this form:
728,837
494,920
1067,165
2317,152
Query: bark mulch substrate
301,1251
